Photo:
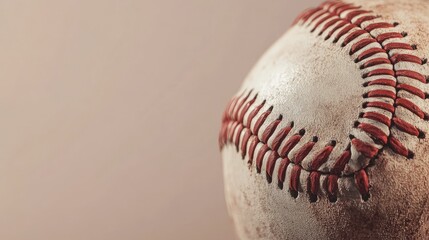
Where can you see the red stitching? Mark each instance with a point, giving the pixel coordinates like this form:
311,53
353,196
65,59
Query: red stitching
363,19
353,14
398,45
406,58
270,130
383,82
353,36
384,36
341,162
416,91
280,137
405,126
262,151
271,164
410,106
362,181
330,23
378,72
338,26
328,16
361,44
321,158
398,147
332,187
366,149
411,74
313,185
282,171
381,105
369,53
377,117
290,144
294,180
372,27
303,152
381,93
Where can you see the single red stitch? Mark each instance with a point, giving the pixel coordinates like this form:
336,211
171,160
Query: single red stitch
245,141
252,149
369,53
334,6
332,187
232,131
290,143
363,19
284,163
344,31
329,24
348,16
382,93
377,134
384,36
261,120
410,106
237,136
365,148
419,93
362,181
377,117
341,162
375,62
317,16
337,8
381,105
405,126
397,45
270,130
322,21
313,185
271,163
310,14
406,58
356,13
378,72
353,36
223,135
253,114
321,158
246,109
306,15
338,26
260,157
303,152
398,147
281,135
294,178
374,26
411,74
231,107
361,44
383,82
240,104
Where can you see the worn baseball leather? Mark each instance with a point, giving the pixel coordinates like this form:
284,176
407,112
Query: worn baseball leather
321,89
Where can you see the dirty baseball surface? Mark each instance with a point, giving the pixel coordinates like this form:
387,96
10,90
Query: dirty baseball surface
326,139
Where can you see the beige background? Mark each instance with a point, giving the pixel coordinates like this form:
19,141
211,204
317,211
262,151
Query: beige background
110,112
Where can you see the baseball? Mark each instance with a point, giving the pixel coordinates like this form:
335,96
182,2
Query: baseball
326,139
